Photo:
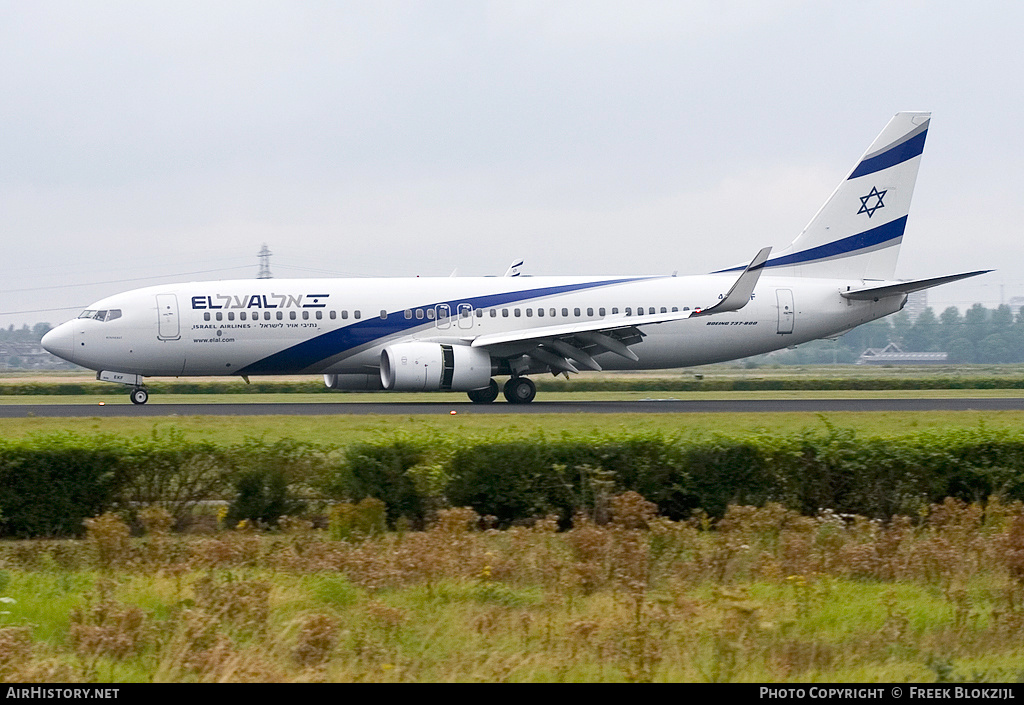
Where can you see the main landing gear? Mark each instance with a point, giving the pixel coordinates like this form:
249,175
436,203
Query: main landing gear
518,390
485,395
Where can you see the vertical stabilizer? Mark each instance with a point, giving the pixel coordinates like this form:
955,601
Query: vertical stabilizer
858,232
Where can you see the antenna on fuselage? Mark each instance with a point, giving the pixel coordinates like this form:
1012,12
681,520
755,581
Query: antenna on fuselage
264,256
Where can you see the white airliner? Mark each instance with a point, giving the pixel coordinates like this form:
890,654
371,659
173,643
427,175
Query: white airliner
456,334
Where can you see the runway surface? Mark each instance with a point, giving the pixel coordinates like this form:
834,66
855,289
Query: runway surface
651,406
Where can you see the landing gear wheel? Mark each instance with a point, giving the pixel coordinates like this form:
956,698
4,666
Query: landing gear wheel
520,390
139,396
485,395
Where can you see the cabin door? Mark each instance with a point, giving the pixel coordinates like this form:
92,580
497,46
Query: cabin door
168,327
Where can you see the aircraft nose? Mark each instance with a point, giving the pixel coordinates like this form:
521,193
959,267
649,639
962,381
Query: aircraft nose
60,342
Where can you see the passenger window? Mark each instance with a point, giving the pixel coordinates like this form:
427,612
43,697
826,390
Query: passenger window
231,315
319,315
686,308
675,309
600,311
334,315
651,310
408,314
494,312
552,312
206,316
529,313
383,315
664,310
565,313
540,312
241,316
479,313
590,312
419,314
220,316
291,315
576,312
504,313
305,315
517,313
358,314
629,311
266,315
344,315
280,315
430,314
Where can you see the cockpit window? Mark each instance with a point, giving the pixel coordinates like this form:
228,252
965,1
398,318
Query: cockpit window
110,315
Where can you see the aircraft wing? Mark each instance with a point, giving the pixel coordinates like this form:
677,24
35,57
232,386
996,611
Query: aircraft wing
874,293
558,347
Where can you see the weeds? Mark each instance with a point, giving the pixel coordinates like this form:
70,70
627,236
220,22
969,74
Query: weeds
762,594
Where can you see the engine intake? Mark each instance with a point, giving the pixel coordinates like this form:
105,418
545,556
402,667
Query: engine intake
418,367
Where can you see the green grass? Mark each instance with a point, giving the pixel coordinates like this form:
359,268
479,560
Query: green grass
343,430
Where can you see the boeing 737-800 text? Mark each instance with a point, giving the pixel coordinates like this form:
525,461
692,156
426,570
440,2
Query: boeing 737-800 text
457,334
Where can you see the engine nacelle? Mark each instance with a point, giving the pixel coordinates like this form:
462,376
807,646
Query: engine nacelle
432,367
353,382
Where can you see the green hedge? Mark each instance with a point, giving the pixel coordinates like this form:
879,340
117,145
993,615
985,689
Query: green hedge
581,384
49,484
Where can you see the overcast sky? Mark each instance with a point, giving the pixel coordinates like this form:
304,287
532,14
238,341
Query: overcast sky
150,142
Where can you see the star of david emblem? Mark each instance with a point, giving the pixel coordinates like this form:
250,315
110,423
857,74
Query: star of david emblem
870,210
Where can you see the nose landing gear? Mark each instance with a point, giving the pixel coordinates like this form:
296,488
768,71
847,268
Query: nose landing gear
139,395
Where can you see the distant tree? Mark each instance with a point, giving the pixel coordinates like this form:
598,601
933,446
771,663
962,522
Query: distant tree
900,328
994,349
924,334
1001,318
39,330
961,350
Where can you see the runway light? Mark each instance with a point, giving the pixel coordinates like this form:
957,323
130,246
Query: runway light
453,412
103,403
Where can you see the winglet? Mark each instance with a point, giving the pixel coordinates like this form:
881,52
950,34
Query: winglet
738,296
514,268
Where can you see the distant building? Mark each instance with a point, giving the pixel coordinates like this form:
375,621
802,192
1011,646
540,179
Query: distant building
30,356
917,302
1016,302
892,355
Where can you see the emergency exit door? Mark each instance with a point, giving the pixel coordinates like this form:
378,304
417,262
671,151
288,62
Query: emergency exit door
786,310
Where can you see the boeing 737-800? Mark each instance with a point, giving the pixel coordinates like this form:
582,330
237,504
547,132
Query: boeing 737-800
457,334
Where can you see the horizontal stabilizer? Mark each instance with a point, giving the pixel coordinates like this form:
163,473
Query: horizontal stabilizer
875,293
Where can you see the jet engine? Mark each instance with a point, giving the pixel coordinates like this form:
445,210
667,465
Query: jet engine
418,367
